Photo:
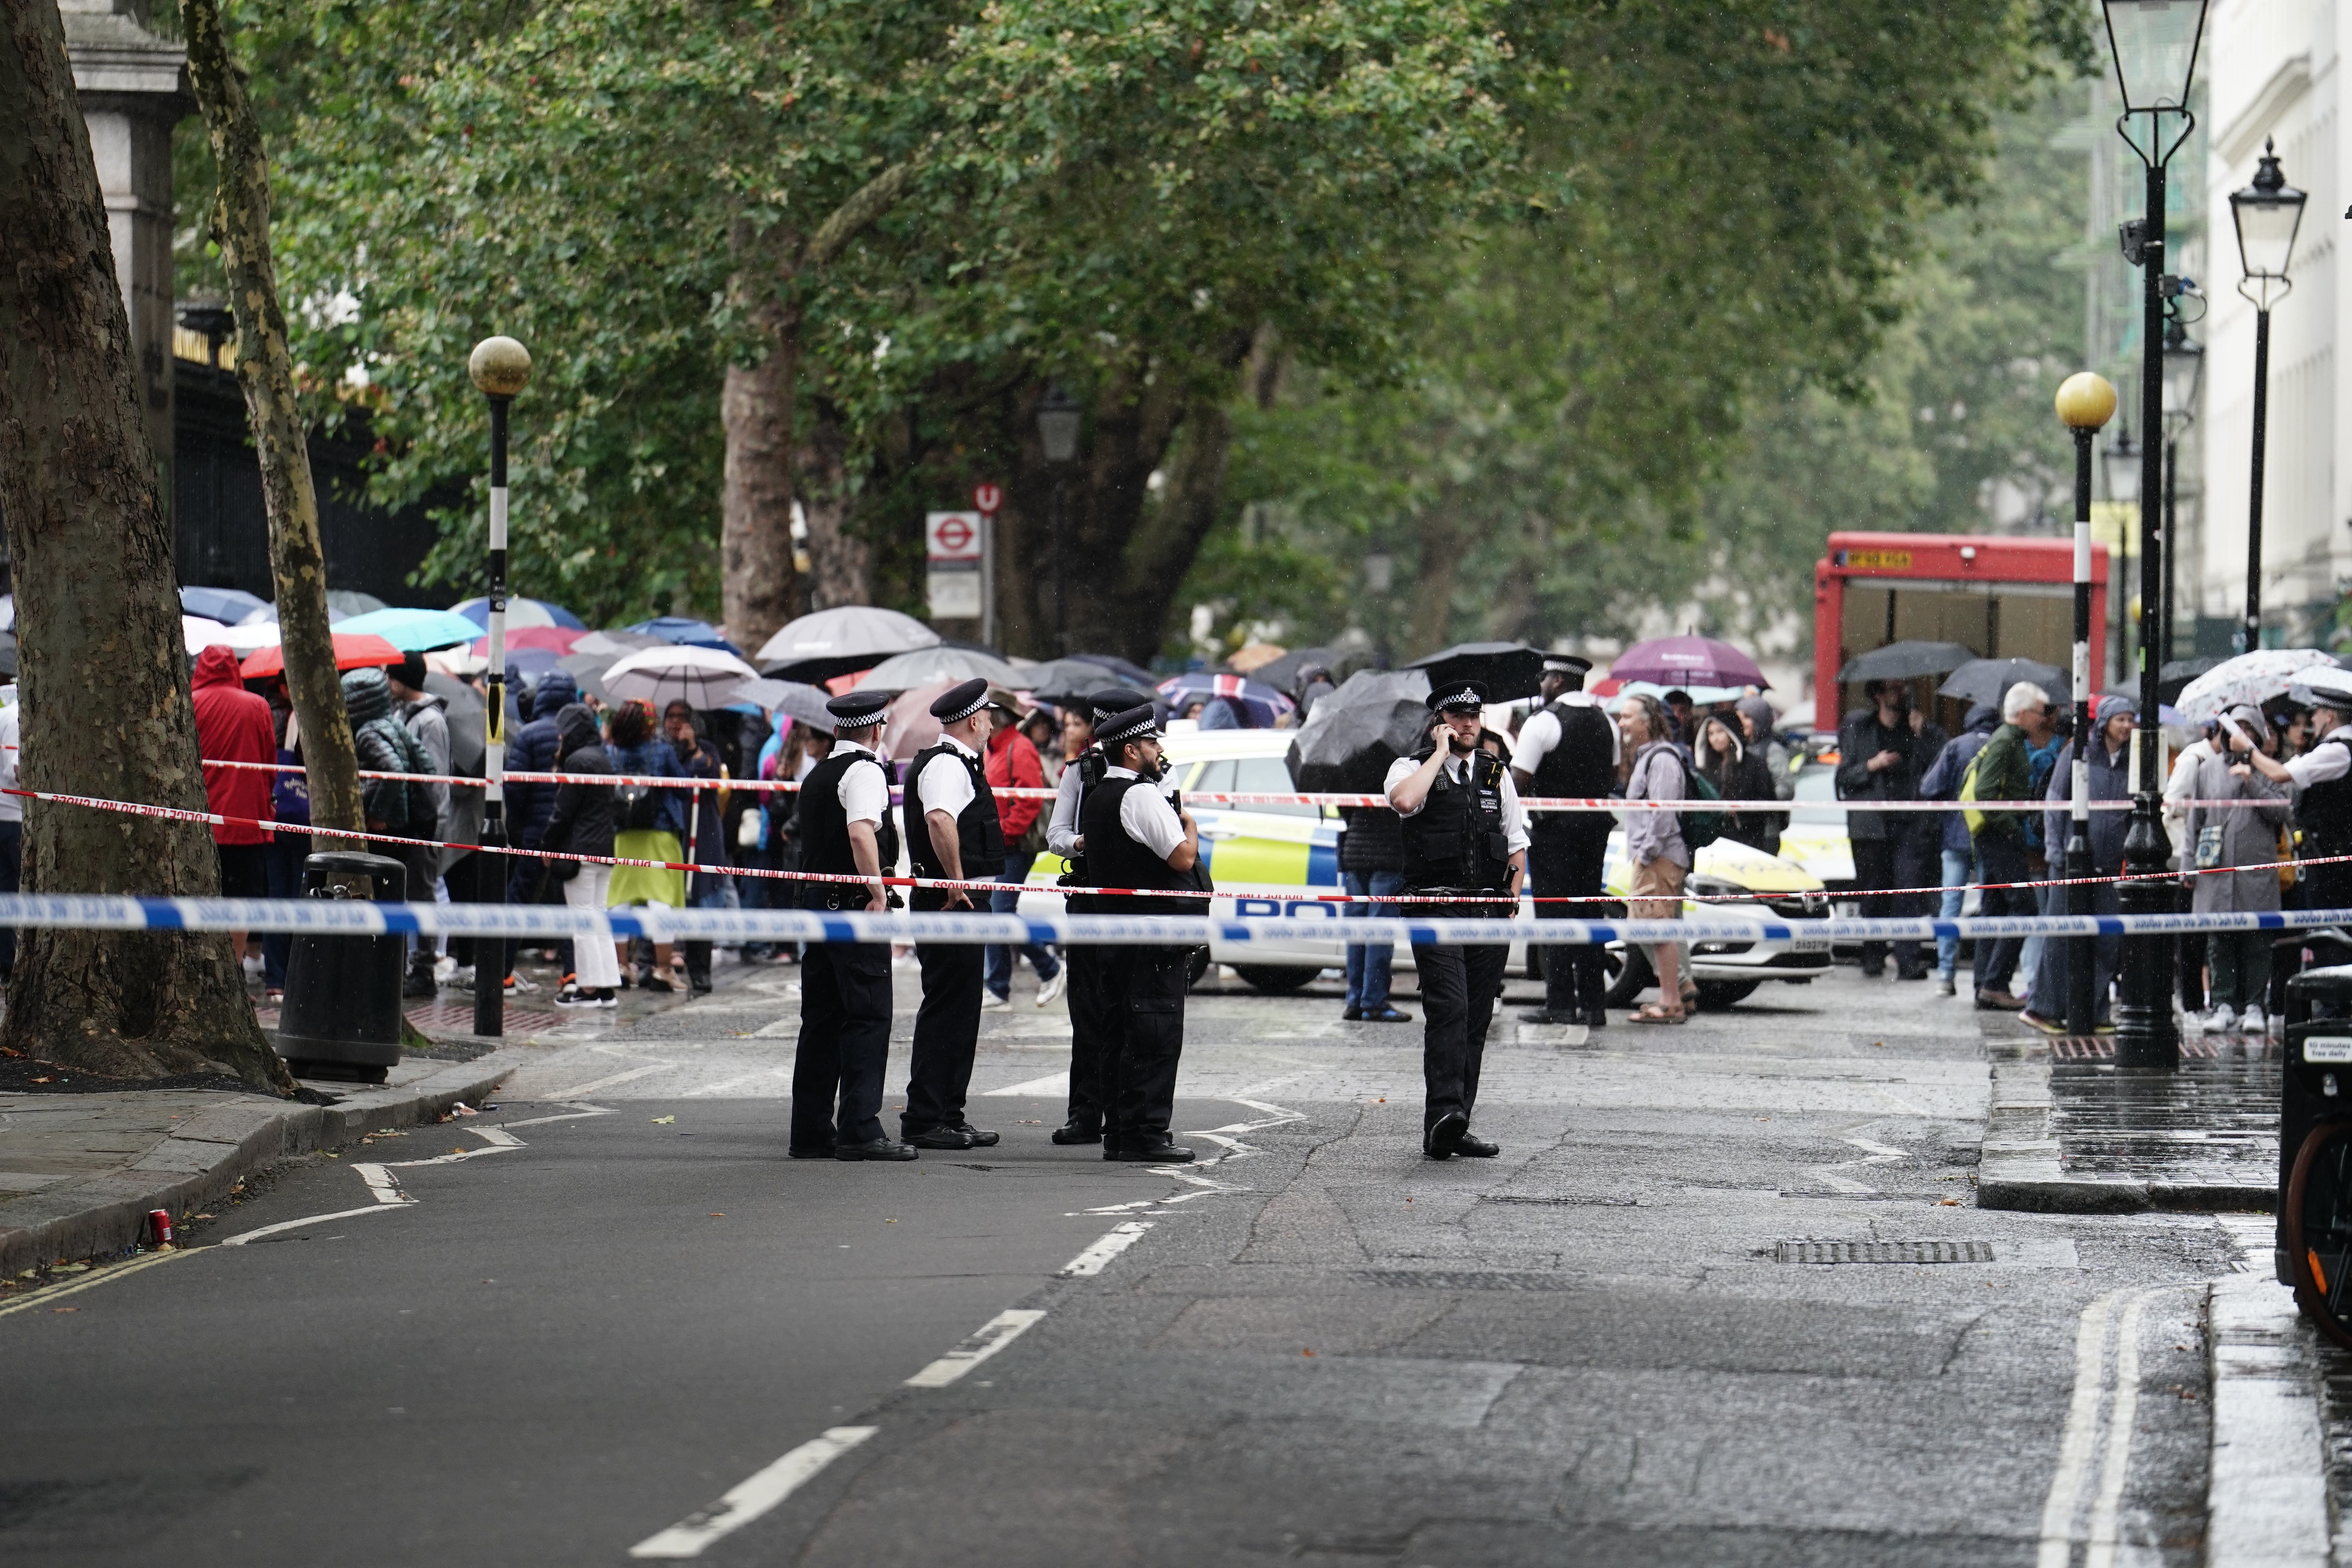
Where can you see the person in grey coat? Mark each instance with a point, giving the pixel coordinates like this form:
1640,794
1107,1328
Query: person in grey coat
2233,835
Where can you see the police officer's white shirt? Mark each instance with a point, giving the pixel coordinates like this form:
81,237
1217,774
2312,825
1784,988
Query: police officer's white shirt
2324,762
945,784
1062,834
1515,816
1147,816
865,792
1541,734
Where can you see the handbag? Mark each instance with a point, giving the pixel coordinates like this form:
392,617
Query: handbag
2209,846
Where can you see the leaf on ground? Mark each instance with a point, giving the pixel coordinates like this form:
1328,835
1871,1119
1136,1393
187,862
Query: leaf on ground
664,1121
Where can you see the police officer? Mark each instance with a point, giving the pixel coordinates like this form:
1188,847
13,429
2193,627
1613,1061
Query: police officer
1569,747
1463,833
844,830
953,832
2323,776
1088,1027
1134,838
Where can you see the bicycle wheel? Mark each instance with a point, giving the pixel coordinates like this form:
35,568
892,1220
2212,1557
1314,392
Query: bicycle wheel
2319,1229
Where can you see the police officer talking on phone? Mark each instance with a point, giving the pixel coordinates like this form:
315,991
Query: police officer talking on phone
1088,1026
1134,838
844,830
1465,832
952,833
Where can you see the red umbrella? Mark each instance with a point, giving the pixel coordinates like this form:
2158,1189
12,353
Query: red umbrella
352,651
556,640
1686,661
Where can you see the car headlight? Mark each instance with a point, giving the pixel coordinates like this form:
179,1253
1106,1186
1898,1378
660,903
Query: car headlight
1713,889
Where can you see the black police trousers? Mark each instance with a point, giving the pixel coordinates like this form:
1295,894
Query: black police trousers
1574,979
1091,1027
947,1034
1457,1000
1143,992
844,1043
1902,860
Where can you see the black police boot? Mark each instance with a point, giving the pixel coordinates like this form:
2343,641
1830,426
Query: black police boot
1443,1139
941,1138
883,1148
980,1140
1078,1130
1162,1152
1476,1148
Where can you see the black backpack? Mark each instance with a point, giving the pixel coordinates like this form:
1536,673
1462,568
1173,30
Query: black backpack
637,808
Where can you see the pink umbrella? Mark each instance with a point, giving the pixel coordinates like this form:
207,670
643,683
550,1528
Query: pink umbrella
1687,661
910,727
555,639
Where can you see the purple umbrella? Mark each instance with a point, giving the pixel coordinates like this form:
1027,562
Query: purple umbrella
1687,661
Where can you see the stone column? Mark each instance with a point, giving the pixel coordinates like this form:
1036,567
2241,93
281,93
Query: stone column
133,88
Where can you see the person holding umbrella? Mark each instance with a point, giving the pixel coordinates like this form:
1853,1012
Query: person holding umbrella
2324,775
1569,747
1463,833
953,832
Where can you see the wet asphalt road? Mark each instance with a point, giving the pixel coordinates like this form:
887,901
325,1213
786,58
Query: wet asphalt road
1318,1349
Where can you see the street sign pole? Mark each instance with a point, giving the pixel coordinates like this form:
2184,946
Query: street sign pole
988,499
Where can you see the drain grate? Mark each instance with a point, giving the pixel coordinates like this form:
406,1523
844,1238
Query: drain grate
1882,1252
1435,1279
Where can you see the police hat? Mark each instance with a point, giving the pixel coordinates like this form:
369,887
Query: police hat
1459,697
961,701
857,710
2323,687
1134,724
1566,664
1113,699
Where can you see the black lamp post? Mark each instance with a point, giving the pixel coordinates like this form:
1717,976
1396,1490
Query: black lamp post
501,368
2154,43
2123,458
2184,376
2085,403
2267,213
1058,419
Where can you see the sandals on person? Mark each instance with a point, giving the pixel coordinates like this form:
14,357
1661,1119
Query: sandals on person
1652,1012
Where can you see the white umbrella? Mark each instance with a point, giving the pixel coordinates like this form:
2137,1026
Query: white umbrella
2252,679
904,671
246,636
199,630
703,676
845,639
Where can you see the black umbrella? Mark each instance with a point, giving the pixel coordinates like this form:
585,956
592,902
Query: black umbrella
1989,679
2173,676
1509,671
1358,730
1282,674
1063,681
1130,673
1907,661
465,715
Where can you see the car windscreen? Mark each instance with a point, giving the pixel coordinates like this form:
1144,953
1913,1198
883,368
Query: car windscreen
1817,784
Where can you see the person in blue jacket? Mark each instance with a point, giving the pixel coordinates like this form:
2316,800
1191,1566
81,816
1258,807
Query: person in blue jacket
650,824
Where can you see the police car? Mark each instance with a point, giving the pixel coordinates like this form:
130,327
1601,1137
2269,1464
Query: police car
1279,857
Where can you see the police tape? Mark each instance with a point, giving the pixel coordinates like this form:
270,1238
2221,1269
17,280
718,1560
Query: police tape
358,917
1541,803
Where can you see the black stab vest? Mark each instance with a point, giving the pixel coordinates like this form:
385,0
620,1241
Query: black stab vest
1457,839
980,836
823,833
1114,859
1581,764
2324,812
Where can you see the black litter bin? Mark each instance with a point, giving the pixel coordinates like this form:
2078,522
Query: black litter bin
342,1015
2315,1079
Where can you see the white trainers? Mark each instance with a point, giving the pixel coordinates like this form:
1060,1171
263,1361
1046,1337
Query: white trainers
252,967
991,999
2219,1021
1051,991
2253,1022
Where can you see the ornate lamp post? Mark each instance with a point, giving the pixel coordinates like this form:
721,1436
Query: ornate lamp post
2267,214
501,368
2154,43
2184,377
2085,403
2123,458
1058,419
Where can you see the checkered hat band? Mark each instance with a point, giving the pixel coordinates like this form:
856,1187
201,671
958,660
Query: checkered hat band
1462,700
960,718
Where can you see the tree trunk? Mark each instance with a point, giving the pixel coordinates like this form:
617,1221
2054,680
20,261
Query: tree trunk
840,564
756,538
104,683
1435,573
265,369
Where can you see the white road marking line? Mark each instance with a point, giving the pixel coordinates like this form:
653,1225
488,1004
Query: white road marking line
497,1135
1115,1240
382,1184
1881,1153
2266,1501
994,1335
2121,1420
619,1078
2081,1437
583,1112
287,1224
1053,1085
102,1277
724,1084
753,1497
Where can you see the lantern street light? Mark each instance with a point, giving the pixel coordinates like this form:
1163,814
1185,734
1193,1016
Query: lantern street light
2267,213
2155,44
501,368
2085,403
1058,421
2184,378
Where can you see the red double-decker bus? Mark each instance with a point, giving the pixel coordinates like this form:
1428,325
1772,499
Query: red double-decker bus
2005,598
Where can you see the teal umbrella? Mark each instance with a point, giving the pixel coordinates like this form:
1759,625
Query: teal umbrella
413,631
